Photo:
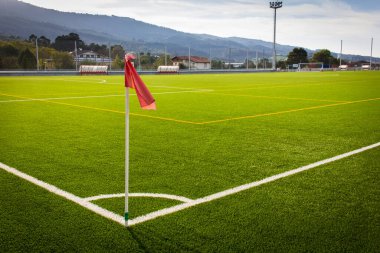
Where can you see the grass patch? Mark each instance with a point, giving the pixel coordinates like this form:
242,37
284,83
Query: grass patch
77,144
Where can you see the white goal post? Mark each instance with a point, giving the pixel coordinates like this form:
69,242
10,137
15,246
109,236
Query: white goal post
310,66
93,69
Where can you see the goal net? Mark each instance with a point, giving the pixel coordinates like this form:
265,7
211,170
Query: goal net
93,69
310,66
168,69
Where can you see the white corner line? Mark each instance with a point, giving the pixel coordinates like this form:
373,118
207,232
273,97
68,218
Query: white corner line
84,202
69,196
149,195
244,187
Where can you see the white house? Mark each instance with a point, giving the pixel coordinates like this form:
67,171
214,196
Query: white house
196,62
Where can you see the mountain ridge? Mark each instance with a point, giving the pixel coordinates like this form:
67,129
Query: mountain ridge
23,19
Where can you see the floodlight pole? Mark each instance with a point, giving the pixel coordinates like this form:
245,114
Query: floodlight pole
274,5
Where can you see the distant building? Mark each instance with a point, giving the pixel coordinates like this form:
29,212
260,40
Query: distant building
91,56
196,62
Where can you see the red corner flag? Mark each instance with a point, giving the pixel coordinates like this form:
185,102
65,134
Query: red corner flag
133,80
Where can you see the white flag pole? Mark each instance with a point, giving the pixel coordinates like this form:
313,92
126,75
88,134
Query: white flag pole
126,214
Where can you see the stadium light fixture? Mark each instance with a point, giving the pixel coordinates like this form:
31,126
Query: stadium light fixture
274,5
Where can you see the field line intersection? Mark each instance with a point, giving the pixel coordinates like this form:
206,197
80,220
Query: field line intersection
86,202
51,100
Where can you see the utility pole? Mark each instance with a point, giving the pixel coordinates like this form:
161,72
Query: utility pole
247,58
229,59
370,59
264,60
341,49
38,65
166,63
274,5
140,67
189,59
109,55
257,61
76,55
210,59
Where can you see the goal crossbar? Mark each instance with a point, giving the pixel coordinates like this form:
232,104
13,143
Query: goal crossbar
310,66
93,69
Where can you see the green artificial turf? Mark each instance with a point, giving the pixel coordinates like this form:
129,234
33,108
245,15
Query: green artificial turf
209,133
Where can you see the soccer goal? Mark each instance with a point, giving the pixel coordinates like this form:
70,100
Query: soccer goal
310,66
168,69
93,69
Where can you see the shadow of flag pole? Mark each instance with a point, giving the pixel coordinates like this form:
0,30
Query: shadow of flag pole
147,102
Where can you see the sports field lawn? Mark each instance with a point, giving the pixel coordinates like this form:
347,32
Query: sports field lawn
210,133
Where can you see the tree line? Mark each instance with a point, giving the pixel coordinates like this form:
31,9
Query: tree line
22,54
299,55
58,54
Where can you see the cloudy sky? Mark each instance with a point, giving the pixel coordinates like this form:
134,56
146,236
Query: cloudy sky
312,24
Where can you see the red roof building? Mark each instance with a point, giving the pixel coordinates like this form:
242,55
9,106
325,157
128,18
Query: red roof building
196,62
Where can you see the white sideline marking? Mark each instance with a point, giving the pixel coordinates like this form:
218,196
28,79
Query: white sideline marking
150,195
244,187
100,96
119,219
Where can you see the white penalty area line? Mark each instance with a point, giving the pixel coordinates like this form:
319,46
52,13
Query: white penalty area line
85,202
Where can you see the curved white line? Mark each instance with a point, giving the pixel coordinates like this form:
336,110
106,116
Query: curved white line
145,195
